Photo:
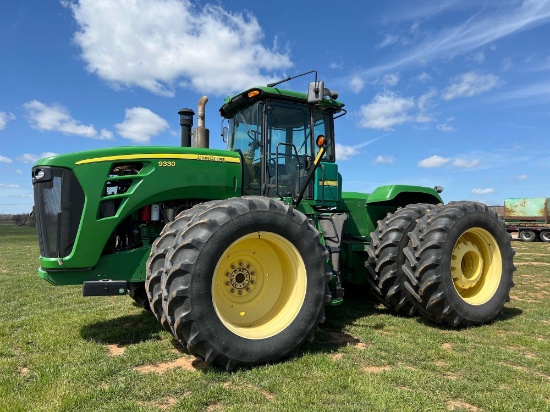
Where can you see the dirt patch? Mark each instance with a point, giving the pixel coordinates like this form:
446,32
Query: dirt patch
185,362
454,405
115,350
163,405
447,346
532,263
24,371
531,254
336,356
214,407
268,395
524,300
376,369
440,364
526,370
343,339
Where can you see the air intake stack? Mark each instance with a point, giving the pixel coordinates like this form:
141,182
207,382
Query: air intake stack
186,123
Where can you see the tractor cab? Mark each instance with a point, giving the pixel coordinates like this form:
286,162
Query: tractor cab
277,134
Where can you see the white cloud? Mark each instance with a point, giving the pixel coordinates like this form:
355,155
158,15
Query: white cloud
483,191
506,63
5,118
387,109
477,57
433,161
10,185
466,164
387,160
18,171
32,158
155,44
485,24
345,152
423,77
444,127
56,118
389,79
140,125
470,84
522,177
356,84
388,40
4,159
424,104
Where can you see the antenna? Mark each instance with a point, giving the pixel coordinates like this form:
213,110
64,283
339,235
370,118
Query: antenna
293,77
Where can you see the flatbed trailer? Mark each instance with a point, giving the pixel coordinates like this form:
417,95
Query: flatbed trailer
529,217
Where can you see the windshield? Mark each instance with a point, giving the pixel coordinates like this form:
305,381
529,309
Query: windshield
276,163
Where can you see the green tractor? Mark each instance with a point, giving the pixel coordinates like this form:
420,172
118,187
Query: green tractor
236,252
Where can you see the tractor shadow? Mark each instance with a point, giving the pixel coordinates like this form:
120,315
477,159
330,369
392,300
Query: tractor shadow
125,330
331,336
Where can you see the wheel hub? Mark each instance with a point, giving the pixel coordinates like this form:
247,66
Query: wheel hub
467,265
241,277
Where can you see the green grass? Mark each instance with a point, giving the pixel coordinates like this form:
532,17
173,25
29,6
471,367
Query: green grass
57,354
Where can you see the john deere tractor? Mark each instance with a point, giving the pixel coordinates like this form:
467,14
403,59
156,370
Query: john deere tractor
237,252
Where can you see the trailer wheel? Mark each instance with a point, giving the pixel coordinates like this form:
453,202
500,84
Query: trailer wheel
155,264
136,290
459,264
246,282
386,257
527,235
545,236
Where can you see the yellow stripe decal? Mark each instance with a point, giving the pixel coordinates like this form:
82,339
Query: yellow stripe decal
145,156
322,151
328,182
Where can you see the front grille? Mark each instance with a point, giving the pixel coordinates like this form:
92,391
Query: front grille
59,202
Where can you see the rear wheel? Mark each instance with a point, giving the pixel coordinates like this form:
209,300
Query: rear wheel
545,236
527,235
246,283
459,264
386,257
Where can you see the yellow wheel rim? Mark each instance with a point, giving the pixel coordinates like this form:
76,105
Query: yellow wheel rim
476,266
259,285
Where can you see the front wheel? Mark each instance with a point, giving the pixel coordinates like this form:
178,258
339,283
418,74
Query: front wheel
459,264
246,283
545,236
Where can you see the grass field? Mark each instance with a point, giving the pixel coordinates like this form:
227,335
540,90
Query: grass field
62,352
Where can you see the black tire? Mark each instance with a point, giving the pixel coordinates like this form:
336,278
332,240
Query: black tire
223,305
545,236
459,264
527,235
386,257
155,263
136,290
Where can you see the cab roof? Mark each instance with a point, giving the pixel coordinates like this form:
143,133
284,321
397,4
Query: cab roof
235,103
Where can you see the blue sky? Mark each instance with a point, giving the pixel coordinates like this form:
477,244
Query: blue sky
453,93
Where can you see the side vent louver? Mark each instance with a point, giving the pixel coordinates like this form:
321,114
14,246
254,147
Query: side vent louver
119,182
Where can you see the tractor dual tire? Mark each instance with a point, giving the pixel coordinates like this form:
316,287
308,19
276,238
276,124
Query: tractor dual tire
459,265
155,263
246,282
386,257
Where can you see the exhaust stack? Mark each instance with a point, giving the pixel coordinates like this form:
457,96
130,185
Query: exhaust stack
201,135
